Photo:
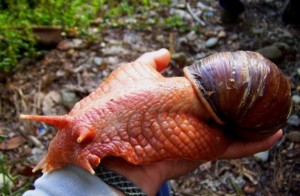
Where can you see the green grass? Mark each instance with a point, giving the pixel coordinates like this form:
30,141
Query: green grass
8,180
18,16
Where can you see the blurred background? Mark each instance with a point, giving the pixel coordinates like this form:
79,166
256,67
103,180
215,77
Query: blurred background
54,53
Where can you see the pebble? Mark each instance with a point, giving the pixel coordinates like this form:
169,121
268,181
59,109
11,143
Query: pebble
285,33
179,58
262,156
77,43
281,45
132,38
191,36
271,52
294,136
97,60
114,50
211,42
222,34
234,37
50,103
37,154
69,98
160,38
181,13
296,99
249,189
257,31
70,44
298,71
203,6
294,120
112,61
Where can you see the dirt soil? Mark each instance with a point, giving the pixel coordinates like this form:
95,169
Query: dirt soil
66,74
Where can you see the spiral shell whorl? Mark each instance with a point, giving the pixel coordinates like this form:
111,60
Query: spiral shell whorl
245,90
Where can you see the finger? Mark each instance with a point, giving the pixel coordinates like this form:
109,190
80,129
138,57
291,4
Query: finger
158,59
241,149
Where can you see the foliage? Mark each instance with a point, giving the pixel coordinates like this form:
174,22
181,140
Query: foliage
8,180
17,18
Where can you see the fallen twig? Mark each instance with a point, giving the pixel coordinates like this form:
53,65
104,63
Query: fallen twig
195,17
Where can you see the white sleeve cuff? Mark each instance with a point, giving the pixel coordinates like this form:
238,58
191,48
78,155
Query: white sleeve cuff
70,180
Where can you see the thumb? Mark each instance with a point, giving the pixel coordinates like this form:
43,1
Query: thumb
158,59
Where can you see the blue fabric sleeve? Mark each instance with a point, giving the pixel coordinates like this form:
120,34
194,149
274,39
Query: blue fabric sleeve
70,180
164,190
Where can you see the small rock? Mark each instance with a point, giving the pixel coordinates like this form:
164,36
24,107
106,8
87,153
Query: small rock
179,58
65,45
51,102
112,61
132,38
77,43
234,37
191,36
296,99
294,120
182,41
37,154
262,156
285,33
70,52
60,73
102,44
70,44
211,42
222,34
249,189
97,60
160,38
114,50
294,136
69,98
281,45
257,31
181,13
179,5
298,71
202,6
271,52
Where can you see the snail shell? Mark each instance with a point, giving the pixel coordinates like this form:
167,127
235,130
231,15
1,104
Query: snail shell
244,91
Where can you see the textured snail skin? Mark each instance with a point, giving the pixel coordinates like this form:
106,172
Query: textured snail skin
246,92
139,115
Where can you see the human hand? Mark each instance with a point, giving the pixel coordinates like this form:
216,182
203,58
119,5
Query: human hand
150,177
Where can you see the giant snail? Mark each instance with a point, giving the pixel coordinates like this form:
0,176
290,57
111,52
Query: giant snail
141,116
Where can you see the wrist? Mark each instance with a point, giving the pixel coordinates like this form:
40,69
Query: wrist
146,177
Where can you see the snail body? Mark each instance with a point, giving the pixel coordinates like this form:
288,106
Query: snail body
143,117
